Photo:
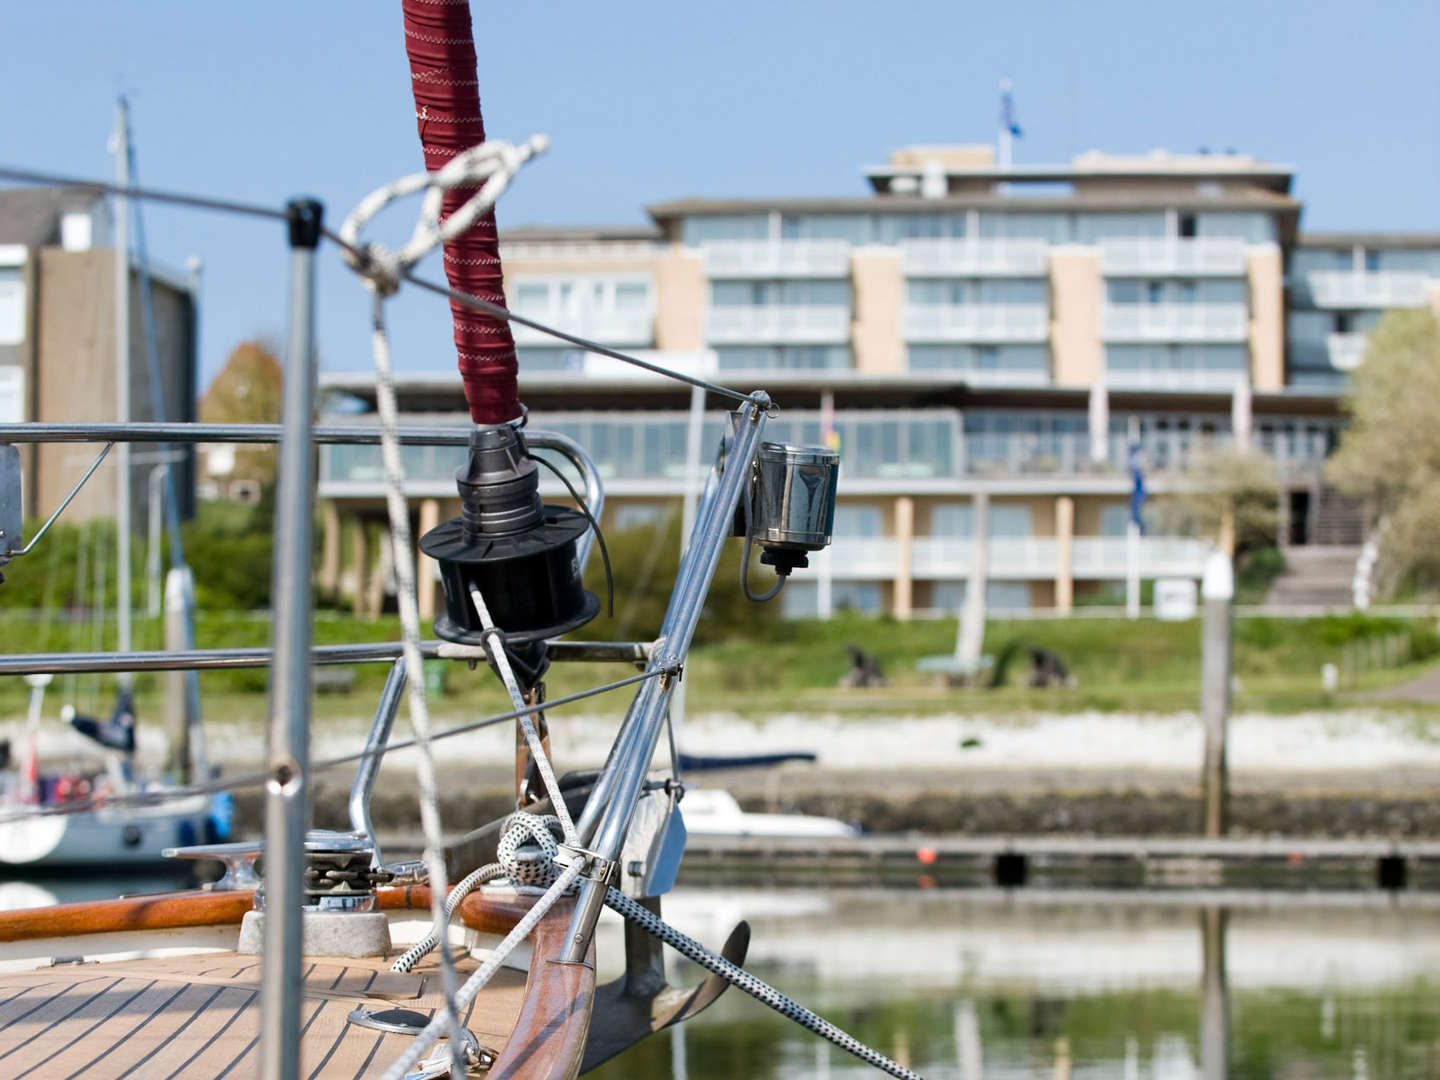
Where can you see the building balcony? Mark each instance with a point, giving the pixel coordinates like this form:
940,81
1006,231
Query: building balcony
977,322
779,324
776,258
1346,350
631,328
1367,289
1214,380
1174,322
1034,558
1103,558
882,452
924,257
861,558
1173,256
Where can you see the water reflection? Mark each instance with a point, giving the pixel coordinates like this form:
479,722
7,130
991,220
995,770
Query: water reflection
1025,986
1036,985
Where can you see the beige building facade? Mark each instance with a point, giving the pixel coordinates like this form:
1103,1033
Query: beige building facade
1028,333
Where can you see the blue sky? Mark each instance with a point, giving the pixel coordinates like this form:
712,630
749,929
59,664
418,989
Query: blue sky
647,101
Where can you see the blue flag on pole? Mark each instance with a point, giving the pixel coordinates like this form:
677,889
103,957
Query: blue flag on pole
1137,490
1007,111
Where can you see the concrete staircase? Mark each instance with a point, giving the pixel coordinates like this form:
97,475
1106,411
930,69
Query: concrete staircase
1339,520
1316,576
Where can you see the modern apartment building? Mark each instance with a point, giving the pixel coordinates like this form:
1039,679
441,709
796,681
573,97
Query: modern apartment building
963,328
57,347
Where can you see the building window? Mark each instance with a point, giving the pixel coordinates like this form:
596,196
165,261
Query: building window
700,230
999,595
800,600
12,306
859,520
1033,359
1114,519
12,395
860,596
782,357
547,358
800,292
1003,520
634,515
1164,357
1187,225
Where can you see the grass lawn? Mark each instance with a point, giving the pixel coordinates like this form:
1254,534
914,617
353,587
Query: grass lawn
1142,666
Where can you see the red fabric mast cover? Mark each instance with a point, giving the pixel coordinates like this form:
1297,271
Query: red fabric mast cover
441,47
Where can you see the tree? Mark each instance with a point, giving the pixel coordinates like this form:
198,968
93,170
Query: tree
1390,454
1232,492
248,390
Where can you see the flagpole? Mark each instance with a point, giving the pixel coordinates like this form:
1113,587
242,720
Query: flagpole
1135,526
1005,141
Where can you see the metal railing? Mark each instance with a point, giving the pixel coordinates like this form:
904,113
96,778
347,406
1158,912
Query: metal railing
1220,380
1180,255
1367,288
977,322
1015,558
1346,350
819,324
924,256
1174,322
922,445
776,258
611,327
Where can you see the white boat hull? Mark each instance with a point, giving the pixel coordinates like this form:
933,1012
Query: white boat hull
105,836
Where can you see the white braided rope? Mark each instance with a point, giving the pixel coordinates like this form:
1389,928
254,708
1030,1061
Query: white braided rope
477,981
495,646
463,888
490,165
407,598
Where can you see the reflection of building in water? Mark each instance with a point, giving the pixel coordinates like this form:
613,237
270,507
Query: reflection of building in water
1019,984
964,326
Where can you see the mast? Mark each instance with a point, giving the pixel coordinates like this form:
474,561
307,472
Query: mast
122,376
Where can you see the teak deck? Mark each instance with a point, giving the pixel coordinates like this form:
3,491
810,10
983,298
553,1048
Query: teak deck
198,1016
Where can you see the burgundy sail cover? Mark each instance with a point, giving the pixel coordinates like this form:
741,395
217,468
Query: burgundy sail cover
441,46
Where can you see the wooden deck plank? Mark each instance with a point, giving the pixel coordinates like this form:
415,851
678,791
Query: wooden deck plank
139,1052
108,1039
35,1051
198,1017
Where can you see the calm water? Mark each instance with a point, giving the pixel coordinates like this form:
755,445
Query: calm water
1029,984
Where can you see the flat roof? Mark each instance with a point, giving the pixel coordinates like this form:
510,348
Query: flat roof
1368,239
1196,168
905,204
441,391
573,233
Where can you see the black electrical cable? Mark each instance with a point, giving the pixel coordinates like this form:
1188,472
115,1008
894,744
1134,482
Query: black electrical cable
599,535
745,561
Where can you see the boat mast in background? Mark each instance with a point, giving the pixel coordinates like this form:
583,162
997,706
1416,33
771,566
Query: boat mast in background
122,376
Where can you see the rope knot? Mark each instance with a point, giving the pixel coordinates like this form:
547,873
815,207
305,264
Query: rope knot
488,167
528,846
